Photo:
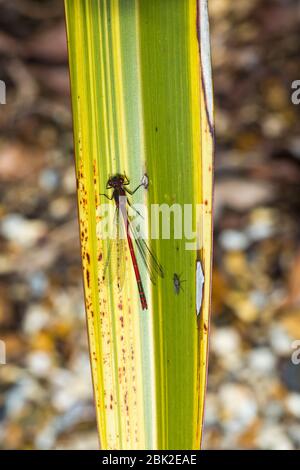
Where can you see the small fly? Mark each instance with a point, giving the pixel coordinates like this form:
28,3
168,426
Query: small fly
177,283
118,183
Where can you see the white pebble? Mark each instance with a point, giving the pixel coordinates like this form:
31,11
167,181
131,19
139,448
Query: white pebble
69,181
232,240
16,399
280,341
48,180
39,363
293,404
22,231
38,283
260,230
262,360
273,437
211,410
36,318
239,408
225,341
60,208
71,387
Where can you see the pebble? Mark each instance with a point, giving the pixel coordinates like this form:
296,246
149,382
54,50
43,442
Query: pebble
39,363
71,387
80,441
26,390
225,343
273,410
240,195
238,407
292,403
49,179
293,431
46,437
38,282
69,181
280,341
211,410
24,232
259,299
245,308
273,437
262,361
36,318
273,125
80,412
261,225
232,240
60,208
295,146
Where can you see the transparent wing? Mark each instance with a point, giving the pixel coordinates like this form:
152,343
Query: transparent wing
147,255
115,264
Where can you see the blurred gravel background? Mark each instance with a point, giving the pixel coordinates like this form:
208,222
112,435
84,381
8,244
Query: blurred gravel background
253,399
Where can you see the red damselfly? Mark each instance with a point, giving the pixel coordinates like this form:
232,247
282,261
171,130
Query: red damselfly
119,184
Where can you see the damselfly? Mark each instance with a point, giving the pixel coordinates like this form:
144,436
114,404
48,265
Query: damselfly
119,184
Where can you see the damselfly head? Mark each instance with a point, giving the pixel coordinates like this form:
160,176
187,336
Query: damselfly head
117,181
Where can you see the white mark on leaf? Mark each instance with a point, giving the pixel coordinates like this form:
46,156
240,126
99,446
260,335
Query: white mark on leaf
199,287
